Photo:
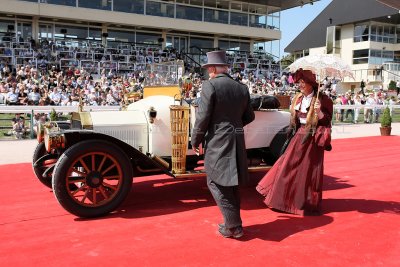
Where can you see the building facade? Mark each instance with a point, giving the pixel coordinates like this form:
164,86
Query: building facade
364,33
188,26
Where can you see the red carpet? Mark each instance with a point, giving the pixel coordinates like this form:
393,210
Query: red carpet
165,222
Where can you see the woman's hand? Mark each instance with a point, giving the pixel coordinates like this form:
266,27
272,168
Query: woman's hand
317,106
317,109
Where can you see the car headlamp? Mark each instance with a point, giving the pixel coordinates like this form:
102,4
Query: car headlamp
53,138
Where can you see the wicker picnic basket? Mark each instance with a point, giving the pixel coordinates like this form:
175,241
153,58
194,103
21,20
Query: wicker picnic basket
180,135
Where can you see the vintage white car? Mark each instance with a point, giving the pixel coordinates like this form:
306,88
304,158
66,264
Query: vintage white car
90,163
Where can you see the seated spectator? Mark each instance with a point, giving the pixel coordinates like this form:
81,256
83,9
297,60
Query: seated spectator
65,98
38,118
12,97
23,95
34,97
18,126
55,97
111,99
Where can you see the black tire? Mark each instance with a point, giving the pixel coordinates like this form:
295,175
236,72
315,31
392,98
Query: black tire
277,144
43,169
75,167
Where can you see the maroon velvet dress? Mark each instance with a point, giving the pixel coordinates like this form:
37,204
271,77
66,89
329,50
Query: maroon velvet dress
294,183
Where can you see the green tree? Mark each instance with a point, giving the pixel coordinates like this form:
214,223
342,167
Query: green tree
286,61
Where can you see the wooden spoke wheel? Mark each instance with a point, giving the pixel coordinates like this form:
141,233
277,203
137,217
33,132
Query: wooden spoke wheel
43,164
92,178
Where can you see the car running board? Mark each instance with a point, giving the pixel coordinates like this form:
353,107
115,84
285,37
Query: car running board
201,173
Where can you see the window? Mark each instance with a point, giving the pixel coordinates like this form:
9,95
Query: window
257,21
329,39
45,31
191,2
129,6
94,34
60,2
333,40
236,6
201,43
214,15
234,45
71,32
360,56
159,9
96,4
188,12
273,20
396,56
24,31
239,19
398,34
383,34
379,57
147,38
7,26
120,36
361,33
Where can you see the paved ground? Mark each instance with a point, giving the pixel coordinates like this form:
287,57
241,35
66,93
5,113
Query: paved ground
19,151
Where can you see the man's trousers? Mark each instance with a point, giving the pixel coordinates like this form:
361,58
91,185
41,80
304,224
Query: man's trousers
228,201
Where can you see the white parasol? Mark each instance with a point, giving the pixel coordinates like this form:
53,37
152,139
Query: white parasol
323,65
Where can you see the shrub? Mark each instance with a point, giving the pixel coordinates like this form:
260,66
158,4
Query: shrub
392,85
53,115
386,120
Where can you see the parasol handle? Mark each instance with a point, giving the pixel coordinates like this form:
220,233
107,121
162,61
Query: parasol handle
314,127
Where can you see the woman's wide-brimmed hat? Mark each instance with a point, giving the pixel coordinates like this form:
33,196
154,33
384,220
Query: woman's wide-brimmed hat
216,58
305,75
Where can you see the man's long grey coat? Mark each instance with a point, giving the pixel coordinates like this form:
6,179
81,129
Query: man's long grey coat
223,110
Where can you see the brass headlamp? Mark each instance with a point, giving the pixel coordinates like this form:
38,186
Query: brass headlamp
53,139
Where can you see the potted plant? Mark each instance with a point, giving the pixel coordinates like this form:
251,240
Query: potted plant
53,115
386,122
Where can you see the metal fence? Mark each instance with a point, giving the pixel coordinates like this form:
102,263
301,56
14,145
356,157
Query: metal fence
32,110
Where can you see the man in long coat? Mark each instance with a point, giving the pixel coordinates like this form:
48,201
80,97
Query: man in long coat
223,110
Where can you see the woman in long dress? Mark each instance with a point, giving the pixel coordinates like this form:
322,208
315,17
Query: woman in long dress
294,183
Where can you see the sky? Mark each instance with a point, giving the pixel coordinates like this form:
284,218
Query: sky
294,20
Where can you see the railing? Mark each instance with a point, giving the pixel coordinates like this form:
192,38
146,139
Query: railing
67,109
376,109
47,109
390,76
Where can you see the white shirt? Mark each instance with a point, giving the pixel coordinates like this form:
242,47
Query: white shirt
304,105
34,96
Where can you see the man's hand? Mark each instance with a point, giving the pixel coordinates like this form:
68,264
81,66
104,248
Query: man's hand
196,150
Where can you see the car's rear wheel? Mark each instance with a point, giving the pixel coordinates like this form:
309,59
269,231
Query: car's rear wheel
43,164
276,145
92,178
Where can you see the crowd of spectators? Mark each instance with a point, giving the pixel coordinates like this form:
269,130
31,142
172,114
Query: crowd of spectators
46,83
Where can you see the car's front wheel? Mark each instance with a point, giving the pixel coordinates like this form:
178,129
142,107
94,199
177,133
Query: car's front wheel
43,164
92,178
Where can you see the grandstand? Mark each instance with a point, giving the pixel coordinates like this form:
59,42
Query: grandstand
123,36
